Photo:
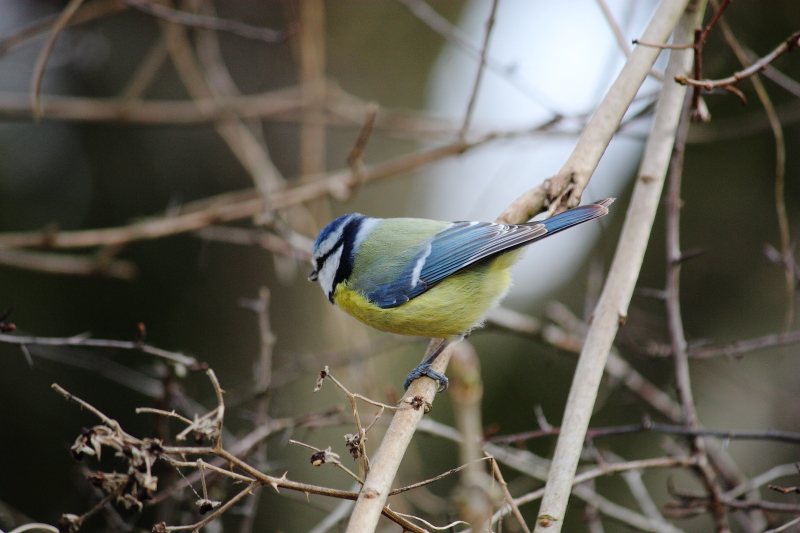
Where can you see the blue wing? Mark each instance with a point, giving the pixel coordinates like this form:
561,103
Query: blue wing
465,243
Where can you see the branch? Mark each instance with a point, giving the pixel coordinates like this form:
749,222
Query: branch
479,76
564,190
536,467
83,341
60,263
235,206
41,61
789,45
210,23
612,308
790,437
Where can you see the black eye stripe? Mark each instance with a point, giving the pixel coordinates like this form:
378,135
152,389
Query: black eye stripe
326,255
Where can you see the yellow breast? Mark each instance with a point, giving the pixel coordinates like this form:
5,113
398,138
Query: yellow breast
451,308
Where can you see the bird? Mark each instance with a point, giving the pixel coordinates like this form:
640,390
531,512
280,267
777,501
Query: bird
427,278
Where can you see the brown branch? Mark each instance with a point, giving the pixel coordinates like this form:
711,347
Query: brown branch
233,206
265,105
607,469
83,341
479,76
622,43
461,41
86,13
60,263
295,248
354,157
207,22
257,478
789,437
507,495
780,162
789,45
672,302
739,347
41,61
311,53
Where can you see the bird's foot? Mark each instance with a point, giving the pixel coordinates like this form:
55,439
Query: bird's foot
424,369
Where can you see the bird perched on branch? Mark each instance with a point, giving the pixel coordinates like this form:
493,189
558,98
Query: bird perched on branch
422,277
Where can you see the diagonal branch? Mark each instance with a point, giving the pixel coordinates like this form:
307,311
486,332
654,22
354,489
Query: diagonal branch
612,307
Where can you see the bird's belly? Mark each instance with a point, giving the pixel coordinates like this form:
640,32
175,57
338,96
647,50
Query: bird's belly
451,308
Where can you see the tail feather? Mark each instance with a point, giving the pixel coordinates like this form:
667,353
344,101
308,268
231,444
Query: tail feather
575,216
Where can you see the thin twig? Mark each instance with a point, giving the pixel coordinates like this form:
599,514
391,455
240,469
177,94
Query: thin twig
461,41
41,61
235,206
780,160
217,512
435,478
507,495
329,457
622,42
86,13
785,526
614,300
789,45
536,467
564,190
69,264
481,64
83,341
210,23
354,160
658,462
675,320
790,437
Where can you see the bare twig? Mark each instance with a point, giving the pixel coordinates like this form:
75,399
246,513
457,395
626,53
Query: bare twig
298,247
145,73
474,497
675,320
356,443
790,437
234,206
461,41
70,264
780,161
120,439
789,45
614,300
507,496
481,64
785,526
640,522
210,23
41,61
435,478
311,44
86,13
321,457
564,190
83,341
536,467
354,160
622,42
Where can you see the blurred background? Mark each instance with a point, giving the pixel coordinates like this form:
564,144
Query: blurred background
102,158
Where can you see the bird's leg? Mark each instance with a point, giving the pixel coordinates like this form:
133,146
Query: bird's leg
424,369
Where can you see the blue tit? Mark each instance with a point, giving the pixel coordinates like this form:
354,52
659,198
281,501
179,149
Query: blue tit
422,277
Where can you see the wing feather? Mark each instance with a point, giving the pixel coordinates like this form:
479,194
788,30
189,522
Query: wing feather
465,243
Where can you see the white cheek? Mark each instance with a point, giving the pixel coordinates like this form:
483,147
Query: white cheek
328,271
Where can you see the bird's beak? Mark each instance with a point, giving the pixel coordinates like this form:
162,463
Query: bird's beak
312,276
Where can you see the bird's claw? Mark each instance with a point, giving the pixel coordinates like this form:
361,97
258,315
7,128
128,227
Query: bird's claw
424,369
